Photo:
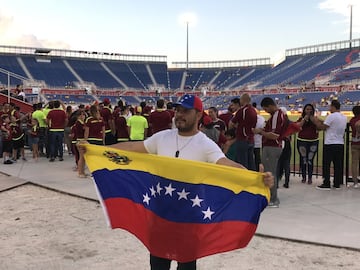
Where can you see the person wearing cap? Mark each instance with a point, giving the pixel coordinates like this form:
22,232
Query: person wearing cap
107,116
185,142
137,126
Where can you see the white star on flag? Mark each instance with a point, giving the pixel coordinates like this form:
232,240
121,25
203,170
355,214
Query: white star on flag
153,191
146,199
169,190
183,194
208,213
196,201
158,188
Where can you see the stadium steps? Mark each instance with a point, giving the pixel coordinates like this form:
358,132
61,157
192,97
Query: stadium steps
241,78
183,80
137,78
198,81
23,66
279,70
215,77
73,71
151,75
299,74
116,78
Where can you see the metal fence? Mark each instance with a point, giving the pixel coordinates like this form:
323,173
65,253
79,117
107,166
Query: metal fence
318,164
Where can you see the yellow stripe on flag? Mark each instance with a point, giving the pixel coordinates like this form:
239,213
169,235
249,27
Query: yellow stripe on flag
187,171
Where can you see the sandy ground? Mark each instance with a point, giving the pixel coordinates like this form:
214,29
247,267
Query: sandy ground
43,229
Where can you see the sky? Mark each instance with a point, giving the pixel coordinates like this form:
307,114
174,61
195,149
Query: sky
218,29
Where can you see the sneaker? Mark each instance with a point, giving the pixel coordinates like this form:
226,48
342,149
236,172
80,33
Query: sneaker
337,187
273,205
356,186
8,162
51,159
309,182
61,159
286,185
323,187
13,160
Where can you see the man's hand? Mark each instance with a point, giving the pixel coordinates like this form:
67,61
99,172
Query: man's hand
268,177
257,130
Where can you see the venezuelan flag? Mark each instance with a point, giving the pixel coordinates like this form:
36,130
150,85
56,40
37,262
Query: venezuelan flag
179,209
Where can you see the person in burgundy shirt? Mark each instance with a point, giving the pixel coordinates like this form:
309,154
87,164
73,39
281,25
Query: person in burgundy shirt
307,142
107,116
94,127
78,134
226,117
6,138
355,145
56,120
122,134
245,121
217,122
160,119
272,143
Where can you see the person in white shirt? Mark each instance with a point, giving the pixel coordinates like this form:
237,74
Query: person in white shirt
185,142
334,126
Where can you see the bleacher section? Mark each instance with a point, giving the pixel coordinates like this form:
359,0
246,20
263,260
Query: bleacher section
10,63
311,74
53,71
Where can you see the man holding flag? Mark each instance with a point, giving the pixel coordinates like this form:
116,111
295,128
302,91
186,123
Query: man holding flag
185,142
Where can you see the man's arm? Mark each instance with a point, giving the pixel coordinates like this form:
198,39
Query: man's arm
318,123
228,162
268,177
268,135
131,146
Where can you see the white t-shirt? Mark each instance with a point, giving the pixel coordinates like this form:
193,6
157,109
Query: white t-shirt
258,137
334,134
197,147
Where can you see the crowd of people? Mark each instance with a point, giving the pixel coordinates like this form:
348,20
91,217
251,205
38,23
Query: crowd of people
241,133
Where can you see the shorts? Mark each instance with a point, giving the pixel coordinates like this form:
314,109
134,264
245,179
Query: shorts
18,144
33,140
7,146
96,142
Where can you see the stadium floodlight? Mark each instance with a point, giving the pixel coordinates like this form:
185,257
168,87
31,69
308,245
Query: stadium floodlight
187,19
351,13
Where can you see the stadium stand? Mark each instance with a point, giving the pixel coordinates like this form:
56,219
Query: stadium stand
53,71
300,78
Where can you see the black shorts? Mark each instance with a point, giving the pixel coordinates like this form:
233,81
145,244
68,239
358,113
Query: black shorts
96,142
7,146
18,144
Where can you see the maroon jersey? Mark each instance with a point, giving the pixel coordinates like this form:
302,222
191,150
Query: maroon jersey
107,115
159,120
308,131
95,128
6,132
16,132
354,134
245,118
57,120
122,133
79,130
226,117
277,125
34,131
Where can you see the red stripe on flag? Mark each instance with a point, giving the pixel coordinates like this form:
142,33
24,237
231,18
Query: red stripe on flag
182,242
